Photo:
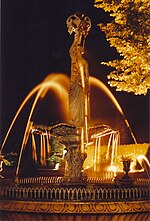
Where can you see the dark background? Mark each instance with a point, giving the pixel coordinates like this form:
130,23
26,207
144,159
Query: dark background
35,42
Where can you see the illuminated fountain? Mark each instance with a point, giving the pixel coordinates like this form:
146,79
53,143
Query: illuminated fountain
80,158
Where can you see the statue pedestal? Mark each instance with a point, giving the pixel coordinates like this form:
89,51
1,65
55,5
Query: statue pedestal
74,156
74,162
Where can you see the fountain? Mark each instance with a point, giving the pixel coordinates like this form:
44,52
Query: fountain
76,162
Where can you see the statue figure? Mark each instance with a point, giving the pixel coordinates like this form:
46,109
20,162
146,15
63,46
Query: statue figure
79,83
75,160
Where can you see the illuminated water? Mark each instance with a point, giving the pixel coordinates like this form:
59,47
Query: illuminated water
59,83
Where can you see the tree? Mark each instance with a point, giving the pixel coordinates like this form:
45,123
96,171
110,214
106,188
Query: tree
129,33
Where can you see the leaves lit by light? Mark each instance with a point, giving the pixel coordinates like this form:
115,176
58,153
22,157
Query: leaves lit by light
128,32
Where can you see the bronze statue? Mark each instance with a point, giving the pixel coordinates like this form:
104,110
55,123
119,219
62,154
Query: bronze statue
78,98
79,83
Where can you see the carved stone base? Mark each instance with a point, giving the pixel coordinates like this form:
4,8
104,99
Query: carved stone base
19,216
75,207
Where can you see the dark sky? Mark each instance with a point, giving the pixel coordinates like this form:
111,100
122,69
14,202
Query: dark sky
35,42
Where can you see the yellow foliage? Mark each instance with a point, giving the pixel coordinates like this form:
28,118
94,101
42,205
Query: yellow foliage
129,34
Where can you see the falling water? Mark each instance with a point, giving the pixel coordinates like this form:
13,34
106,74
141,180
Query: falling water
60,83
113,141
44,86
103,87
53,78
34,151
51,82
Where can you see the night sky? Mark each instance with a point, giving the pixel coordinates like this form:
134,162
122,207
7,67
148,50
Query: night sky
35,42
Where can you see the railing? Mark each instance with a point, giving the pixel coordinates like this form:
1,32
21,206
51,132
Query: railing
142,182
94,180
58,180
99,180
41,180
74,194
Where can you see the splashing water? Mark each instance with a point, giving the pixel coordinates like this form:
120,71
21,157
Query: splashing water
142,160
